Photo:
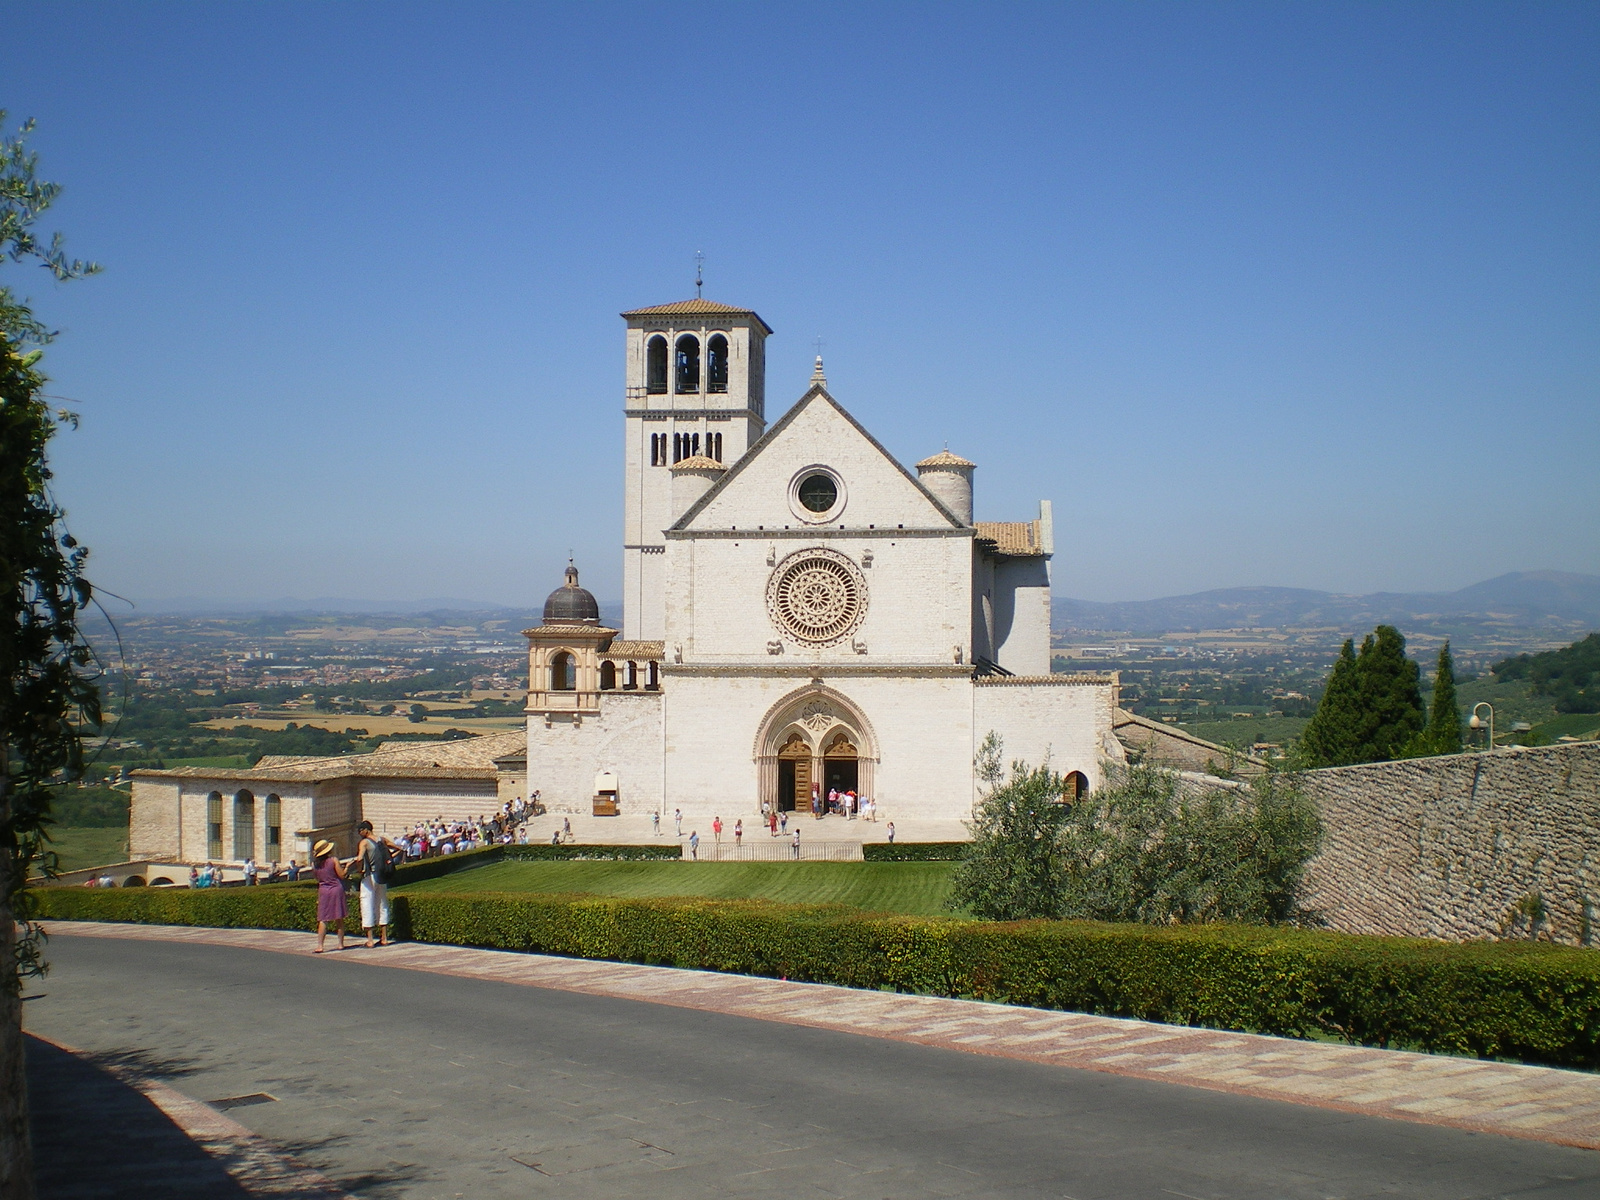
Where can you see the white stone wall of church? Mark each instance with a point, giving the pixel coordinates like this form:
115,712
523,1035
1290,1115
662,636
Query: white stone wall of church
876,490
917,596
1022,615
625,738
1068,723
923,729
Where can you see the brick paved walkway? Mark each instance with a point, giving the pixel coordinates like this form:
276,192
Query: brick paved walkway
1541,1103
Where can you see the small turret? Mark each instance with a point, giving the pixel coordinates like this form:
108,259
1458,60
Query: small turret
691,479
949,477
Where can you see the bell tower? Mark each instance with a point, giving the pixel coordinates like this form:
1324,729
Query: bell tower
695,388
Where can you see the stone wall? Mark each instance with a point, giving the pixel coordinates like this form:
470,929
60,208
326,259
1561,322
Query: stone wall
1450,847
624,738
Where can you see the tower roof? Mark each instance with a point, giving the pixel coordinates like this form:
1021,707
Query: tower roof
696,308
698,462
945,459
571,604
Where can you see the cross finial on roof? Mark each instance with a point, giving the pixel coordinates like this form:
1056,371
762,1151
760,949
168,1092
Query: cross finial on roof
699,264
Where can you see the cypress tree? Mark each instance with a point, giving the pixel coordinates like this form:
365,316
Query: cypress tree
1330,740
1388,696
1444,718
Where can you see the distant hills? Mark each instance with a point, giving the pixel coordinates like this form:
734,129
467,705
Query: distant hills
1529,599
1526,598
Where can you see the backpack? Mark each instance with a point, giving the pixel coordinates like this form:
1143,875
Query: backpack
388,865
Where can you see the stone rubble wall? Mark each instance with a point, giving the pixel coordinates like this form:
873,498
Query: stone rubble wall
1452,847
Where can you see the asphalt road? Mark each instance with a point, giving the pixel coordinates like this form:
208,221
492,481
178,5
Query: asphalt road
402,1084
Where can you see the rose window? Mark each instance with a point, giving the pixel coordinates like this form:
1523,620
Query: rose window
818,597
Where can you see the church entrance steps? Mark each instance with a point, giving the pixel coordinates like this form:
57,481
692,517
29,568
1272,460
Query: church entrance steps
636,829
764,848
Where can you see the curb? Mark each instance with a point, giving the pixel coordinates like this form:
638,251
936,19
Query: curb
254,1163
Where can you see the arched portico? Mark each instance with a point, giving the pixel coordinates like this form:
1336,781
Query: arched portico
806,738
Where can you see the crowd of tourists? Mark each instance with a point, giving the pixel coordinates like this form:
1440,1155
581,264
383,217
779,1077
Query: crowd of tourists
508,826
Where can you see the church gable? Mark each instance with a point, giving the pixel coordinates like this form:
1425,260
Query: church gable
817,467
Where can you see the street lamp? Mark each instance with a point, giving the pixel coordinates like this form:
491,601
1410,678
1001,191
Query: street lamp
1477,722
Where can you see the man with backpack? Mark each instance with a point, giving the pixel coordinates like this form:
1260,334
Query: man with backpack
379,857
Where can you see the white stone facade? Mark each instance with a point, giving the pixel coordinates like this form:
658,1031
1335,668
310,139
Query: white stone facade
823,616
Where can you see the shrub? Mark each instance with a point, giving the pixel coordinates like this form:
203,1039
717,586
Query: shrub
1147,846
915,851
1530,1001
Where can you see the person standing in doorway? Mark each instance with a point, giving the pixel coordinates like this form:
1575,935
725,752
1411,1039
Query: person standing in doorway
330,892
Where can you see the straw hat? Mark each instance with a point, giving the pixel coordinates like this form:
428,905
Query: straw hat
322,849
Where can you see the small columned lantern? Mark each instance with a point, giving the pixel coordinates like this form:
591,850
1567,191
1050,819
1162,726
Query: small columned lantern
564,655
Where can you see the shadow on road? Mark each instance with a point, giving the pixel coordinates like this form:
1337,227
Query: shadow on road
93,1135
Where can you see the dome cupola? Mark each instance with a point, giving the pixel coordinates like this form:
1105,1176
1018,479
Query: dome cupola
571,604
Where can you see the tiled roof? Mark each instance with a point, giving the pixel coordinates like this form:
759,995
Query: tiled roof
637,650
945,459
698,462
1016,539
695,308
391,760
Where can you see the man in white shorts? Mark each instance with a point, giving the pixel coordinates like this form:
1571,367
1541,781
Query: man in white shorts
373,852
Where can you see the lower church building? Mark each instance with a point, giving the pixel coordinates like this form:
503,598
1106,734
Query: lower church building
801,614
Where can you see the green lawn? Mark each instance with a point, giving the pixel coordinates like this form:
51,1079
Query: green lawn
917,889
81,848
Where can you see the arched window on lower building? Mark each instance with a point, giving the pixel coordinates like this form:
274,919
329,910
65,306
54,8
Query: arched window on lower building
653,677
716,363
608,676
1074,787
655,374
563,673
688,365
244,825
630,676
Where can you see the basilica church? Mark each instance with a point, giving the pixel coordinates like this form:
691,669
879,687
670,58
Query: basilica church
801,614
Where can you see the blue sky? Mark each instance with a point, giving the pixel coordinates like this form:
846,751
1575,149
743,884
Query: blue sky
1288,294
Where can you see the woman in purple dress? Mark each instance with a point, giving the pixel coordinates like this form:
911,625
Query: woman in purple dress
330,891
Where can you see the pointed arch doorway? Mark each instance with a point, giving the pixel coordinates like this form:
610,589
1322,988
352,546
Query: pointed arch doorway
815,738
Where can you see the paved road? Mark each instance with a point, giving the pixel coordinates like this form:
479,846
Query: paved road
402,1084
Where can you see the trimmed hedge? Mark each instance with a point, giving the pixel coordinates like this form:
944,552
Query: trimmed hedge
915,851
1530,1001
